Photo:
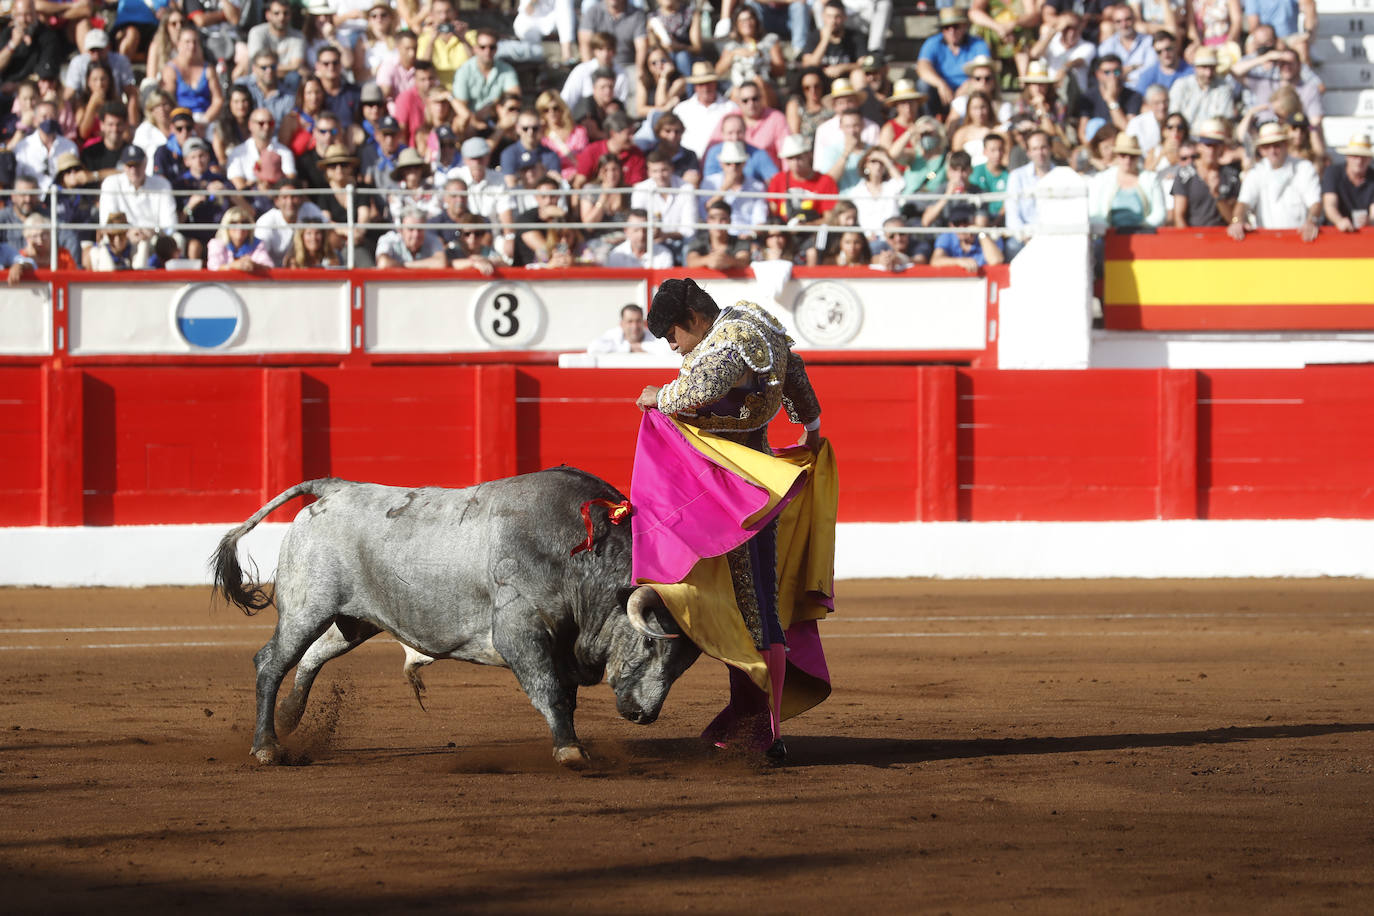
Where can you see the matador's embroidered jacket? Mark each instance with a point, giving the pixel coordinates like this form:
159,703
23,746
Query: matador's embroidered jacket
739,376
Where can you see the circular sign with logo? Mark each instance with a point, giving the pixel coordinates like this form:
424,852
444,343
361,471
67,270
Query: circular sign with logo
208,316
509,316
828,314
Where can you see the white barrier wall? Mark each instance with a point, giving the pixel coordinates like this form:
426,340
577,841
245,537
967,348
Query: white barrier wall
176,554
26,320
149,317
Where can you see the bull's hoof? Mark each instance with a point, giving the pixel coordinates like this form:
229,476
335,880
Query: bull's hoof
269,754
572,756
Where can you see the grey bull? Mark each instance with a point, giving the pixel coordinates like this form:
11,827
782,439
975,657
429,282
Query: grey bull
481,574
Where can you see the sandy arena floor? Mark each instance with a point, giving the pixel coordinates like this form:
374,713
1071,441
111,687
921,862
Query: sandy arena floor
991,746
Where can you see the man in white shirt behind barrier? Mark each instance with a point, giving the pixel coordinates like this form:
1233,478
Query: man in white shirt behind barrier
1283,192
145,199
1020,206
634,251
630,336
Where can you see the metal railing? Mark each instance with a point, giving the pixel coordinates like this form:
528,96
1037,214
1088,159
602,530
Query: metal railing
396,198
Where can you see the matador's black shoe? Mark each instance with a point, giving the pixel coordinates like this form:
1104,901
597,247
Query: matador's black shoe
776,755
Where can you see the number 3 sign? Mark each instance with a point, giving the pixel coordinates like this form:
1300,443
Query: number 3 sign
509,316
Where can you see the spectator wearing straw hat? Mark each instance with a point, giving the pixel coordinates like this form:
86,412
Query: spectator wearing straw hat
798,184
941,62
982,77
728,184
830,140
702,113
1204,93
1348,187
1280,192
1205,189
1122,196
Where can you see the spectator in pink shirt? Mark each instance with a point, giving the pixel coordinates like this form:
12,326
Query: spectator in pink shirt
764,127
408,107
235,247
397,74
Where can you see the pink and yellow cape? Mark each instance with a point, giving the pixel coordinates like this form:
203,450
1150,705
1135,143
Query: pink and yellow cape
696,497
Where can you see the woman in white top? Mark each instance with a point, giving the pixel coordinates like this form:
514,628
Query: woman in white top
378,43
1122,196
876,196
156,126
979,123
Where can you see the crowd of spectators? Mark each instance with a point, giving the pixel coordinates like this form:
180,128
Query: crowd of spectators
251,134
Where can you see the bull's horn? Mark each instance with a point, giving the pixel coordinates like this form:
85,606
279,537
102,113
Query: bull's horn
634,609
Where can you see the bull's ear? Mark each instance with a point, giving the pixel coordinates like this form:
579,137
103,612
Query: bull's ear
622,595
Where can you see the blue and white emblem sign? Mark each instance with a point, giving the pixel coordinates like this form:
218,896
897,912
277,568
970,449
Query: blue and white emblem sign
208,316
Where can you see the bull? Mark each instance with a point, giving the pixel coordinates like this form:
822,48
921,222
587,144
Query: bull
481,574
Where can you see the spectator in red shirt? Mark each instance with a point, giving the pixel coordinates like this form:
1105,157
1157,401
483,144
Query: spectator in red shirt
796,185
620,141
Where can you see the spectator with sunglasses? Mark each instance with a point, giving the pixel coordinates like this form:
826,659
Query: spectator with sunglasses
942,57
1134,49
324,134
340,97
481,82
1164,158
169,159
1168,68
1111,99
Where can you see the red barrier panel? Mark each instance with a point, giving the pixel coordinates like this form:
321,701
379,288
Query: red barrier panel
135,445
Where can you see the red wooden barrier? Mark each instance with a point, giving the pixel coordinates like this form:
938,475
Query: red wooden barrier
155,444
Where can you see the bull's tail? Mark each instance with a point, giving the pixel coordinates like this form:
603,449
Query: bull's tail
224,562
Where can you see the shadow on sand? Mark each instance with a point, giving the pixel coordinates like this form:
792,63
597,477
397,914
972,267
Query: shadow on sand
816,751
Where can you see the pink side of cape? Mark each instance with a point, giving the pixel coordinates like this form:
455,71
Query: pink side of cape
686,507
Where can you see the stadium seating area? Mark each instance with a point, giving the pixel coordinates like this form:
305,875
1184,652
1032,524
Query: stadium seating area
538,133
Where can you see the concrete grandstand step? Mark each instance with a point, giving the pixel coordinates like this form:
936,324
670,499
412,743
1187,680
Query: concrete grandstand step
1343,48
913,25
1338,130
1346,75
1357,103
1337,7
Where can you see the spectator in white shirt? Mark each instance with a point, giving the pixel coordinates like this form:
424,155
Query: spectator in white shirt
667,197
36,155
578,86
146,200
1281,191
630,336
1062,46
702,112
274,226
243,157
634,251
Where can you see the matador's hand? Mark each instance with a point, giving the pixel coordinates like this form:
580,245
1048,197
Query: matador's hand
648,398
